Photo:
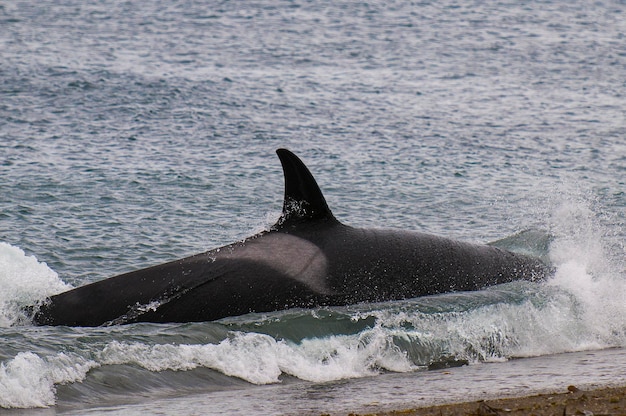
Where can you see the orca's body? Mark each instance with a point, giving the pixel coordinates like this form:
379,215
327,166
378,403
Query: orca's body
306,259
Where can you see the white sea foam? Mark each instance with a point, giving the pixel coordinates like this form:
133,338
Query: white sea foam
29,380
261,359
251,357
587,270
24,281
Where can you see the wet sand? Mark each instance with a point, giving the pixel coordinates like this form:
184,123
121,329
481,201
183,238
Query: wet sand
570,401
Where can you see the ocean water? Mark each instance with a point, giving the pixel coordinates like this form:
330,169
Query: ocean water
134,133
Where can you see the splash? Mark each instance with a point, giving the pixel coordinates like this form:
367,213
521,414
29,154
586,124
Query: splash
589,268
24,281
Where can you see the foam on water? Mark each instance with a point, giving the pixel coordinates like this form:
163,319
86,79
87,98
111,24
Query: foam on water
29,380
591,273
261,359
24,281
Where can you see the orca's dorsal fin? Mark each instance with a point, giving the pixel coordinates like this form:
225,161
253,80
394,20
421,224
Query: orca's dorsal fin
303,198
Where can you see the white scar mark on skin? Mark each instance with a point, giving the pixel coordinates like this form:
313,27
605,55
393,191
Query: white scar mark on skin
289,255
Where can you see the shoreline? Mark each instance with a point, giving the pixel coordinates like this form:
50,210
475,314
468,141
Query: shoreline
570,401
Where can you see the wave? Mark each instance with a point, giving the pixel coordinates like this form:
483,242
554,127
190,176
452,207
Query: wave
29,381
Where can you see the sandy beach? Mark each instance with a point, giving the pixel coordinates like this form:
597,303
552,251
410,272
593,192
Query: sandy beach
571,401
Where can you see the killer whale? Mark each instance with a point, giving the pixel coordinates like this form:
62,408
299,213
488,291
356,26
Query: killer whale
307,259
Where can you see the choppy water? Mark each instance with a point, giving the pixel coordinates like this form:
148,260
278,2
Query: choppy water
136,133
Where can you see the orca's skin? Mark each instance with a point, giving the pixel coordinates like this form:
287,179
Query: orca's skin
306,259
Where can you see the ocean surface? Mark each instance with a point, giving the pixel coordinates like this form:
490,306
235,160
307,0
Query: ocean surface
134,133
